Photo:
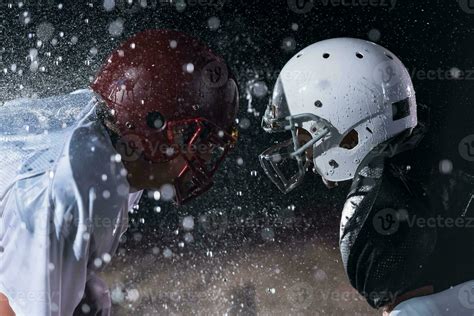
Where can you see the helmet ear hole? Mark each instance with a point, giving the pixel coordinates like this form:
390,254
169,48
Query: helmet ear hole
350,141
401,109
155,120
333,163
318,104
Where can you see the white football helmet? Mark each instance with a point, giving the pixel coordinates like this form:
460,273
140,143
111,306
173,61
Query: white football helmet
339,98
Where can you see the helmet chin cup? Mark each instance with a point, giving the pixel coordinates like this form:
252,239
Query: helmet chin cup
192,181
203,153
272,161
329,184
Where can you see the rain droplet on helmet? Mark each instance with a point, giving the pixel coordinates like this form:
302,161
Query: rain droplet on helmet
189,68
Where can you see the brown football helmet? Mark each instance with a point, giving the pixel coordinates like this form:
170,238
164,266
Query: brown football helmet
169,95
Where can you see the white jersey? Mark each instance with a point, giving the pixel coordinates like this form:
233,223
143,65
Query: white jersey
64,201
458,300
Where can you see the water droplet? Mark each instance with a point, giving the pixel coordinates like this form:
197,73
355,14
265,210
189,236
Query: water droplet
132,295
244,123
97,262
106,257
374,35
167,192
116,29
106,194
188,223
188,237
167,253
267,234
288,44
214,23
445,166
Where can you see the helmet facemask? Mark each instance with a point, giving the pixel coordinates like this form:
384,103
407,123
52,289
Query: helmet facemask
203,151
198,142
286,163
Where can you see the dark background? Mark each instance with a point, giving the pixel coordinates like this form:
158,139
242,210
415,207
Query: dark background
243,210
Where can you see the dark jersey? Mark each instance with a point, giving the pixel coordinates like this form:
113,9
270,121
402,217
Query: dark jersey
402,229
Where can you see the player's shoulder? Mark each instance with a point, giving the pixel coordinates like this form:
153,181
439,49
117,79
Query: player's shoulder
80,96
90,180
35,116
92,166
89,159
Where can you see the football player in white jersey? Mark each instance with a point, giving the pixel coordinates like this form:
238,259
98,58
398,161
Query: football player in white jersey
351,109
160,115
